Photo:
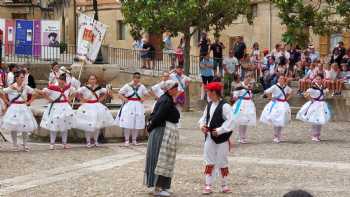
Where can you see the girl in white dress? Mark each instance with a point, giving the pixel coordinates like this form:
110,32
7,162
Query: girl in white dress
277,112
59,115
92,115
244,113
18,117
131,116
316,110
54,74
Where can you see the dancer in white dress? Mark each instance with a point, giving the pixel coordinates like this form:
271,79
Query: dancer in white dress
244,113
277,112
315,111
59,115
92,115
131,116
157,90
54,74
18,117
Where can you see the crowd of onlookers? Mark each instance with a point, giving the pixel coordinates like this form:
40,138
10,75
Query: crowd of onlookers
262,65
265,66
7,75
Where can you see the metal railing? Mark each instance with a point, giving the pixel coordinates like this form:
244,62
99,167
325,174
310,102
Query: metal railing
40,54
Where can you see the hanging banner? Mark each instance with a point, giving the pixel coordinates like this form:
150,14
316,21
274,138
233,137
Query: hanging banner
2,37
24,37
90,37
37,38
50,37
9,36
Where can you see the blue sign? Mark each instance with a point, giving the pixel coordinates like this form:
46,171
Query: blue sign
24,37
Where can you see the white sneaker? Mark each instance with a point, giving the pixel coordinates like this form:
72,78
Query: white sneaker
162,193
242,141
126,144
52,147
88,145
276,140
26,148
207,190
225,189
315,139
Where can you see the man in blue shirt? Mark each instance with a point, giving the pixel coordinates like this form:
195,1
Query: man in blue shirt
206,70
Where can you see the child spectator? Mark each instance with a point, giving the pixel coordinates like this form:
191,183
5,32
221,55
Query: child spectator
305,82
299,71
345,73
341,78
330,77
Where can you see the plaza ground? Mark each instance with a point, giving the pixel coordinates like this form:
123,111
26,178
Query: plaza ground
259,168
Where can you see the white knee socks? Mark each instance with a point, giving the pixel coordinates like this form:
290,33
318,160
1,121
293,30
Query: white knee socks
242,129
316,130
134,133
53,135
278,132
96,134
14,138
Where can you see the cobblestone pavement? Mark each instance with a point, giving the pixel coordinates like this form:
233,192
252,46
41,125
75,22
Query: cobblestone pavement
259,168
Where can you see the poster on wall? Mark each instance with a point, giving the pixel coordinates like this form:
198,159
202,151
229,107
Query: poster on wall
2,36
9,36
24,37
37,38
90,36
50,39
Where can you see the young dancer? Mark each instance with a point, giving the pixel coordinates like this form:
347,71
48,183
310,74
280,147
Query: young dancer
92,115
277,112
157,90
316,110
244,113
54,74
131,116
59,115
18,117
217,124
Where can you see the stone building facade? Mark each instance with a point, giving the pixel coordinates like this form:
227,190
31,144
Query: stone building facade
61,10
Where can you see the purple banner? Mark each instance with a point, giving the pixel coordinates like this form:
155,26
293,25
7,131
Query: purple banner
37,38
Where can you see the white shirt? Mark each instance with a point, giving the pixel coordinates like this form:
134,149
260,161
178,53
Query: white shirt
88,95
157,90
227,114
231,64
182,80
56,94
315,94
12,93
277,93
53,78
127,90
239,93
10,79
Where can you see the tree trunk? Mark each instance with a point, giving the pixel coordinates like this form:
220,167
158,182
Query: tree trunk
187,56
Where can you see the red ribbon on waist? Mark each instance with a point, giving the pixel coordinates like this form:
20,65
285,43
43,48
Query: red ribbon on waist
91,101
63,101
134,99
18,102
281,100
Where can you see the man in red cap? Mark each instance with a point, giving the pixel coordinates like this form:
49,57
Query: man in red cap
217,125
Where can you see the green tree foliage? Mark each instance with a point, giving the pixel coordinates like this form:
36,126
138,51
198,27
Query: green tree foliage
183,16
320,16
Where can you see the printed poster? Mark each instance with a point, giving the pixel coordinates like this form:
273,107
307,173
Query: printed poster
24,37
50,39
9,36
